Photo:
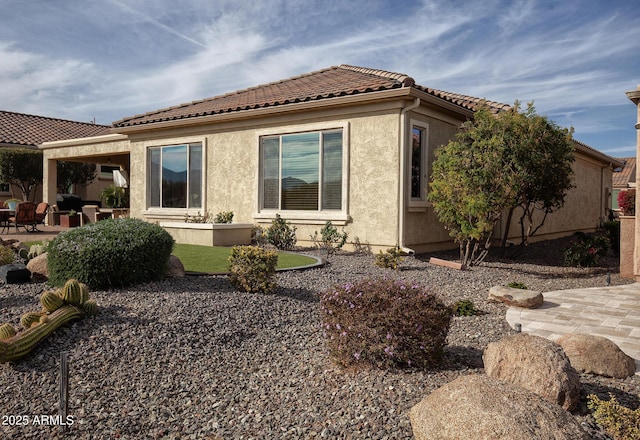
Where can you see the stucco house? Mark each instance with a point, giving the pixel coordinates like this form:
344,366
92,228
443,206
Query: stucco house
346,144
624,178
20,130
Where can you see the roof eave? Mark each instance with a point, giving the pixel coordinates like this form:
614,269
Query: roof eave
340,101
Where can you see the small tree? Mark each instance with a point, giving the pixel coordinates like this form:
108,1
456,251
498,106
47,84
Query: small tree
469,188
541,154
21,167
74,173
496,164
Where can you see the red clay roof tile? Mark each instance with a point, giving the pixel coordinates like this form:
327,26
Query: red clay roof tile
30,130
332,82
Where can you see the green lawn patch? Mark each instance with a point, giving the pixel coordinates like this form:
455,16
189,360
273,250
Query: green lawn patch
215,259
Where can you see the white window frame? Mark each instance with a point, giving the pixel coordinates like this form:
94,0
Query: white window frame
337,217
417,203
173,213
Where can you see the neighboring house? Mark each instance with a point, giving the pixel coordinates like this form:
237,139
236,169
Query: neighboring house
19,130
346,144
624,177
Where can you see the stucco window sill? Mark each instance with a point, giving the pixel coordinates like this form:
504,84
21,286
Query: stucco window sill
305,218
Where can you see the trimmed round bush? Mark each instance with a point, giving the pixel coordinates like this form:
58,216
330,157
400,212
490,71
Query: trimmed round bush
110,253
384,323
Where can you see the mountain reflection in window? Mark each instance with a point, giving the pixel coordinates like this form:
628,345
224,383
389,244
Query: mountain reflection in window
175,176
293,167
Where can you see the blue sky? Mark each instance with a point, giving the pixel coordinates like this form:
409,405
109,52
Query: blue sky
108,59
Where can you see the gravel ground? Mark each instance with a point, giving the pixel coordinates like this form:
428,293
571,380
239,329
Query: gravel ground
192,358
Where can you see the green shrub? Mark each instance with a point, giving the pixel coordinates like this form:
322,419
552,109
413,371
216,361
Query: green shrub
464,307
384,323
115,197
612,231
586,251
517,285
253,269
7,255
390,259
329,239
110,253
619,421
223,217
281,234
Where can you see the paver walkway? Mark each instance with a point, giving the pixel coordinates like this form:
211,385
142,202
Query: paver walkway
612,312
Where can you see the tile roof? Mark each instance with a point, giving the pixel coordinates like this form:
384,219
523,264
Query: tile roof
343,80
626,174
31,130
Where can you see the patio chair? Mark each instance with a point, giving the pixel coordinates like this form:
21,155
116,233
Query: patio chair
25,216
41,213
5,213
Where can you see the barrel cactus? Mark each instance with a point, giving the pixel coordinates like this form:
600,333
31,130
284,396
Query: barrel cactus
84,293
90,307
7,331
51,300
72,292
29,318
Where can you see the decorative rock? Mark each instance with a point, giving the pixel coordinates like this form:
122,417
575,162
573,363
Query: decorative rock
39,267
525,298
175,268
534,363
597,355
480,407
15,273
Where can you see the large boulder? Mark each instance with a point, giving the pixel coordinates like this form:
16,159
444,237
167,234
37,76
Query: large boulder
525,298
480,407
597,355
534,363
175,268
39,267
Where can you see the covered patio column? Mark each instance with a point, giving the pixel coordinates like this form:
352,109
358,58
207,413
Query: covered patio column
634,96
50,182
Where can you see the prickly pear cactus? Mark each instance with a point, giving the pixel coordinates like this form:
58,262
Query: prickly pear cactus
29,318
72,292
7,331
51,300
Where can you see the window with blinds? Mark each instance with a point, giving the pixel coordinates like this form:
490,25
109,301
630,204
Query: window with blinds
302,172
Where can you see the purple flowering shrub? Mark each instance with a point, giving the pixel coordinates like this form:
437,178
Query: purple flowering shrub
384,323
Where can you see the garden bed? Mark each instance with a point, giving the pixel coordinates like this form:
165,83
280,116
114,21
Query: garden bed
193,357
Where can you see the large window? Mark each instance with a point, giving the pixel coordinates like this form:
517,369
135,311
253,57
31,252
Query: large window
175,176
302,172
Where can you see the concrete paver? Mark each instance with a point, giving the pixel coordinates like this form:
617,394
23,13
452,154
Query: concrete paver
610,311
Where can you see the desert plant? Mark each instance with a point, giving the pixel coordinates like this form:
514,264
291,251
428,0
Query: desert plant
359,247
253,269
618,421
281,234
110,253
464,307
586,251
627,201
115,197
384,323
390,259
612,231
329,239
7,255
517,285
223,217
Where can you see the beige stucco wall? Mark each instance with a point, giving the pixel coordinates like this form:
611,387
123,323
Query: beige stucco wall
232,170
372,133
